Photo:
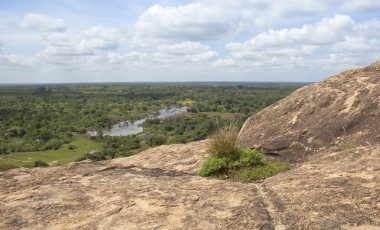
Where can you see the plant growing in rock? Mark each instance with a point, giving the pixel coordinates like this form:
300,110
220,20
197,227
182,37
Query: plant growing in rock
228,159
224,143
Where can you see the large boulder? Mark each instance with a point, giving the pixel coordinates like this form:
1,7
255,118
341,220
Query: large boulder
341,112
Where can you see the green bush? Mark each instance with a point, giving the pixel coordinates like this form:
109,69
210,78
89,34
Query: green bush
40,164
97,156
156,140
53,143
250,158
213,166
4,149
71,147
234,164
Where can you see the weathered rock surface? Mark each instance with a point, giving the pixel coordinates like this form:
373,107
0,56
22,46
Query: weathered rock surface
341,111
339,190
156,189
335,188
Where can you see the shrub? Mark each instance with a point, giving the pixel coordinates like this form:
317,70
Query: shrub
213,166
192,109
71,147
156,140
40,164
250,158
4,149
97,156
53,143
16,145
153,121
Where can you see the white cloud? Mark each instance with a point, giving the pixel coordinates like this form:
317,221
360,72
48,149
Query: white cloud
210,20
201,21
327,31
89,42
325,40
369,28
43,23
361,5
200,36
191,22
185,52
357,45
184,48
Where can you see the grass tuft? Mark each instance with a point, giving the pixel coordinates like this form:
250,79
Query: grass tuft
224,143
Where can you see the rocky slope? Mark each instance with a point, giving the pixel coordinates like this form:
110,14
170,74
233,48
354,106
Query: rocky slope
157,189
337,187
339,112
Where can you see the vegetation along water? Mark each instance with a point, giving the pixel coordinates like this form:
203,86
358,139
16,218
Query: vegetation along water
49,123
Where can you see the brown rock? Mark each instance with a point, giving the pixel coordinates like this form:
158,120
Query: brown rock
340,111
156,189
338,190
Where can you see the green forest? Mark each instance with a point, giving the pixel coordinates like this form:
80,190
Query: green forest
44,125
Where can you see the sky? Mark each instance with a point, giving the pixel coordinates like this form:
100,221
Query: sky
68,41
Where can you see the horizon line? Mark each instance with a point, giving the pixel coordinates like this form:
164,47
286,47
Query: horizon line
158,82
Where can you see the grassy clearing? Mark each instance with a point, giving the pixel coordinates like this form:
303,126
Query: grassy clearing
186,102
66,154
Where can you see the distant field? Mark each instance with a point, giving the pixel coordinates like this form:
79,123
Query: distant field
56,157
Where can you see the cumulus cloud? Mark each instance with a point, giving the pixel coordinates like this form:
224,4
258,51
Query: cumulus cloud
212,35
191,22
88,42
201,21
43,23
361,5
210,20
185,51
325,40
184,48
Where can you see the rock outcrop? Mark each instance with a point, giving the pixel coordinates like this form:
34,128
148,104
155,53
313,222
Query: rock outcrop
340,112
334,123
156,189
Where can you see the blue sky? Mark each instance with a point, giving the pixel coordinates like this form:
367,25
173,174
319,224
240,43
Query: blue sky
207,40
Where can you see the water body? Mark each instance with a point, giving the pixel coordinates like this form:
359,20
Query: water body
129,128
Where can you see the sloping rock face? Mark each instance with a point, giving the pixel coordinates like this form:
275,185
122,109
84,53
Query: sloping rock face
339,112
338,190
156,189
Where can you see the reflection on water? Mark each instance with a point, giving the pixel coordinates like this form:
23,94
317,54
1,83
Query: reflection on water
128,128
